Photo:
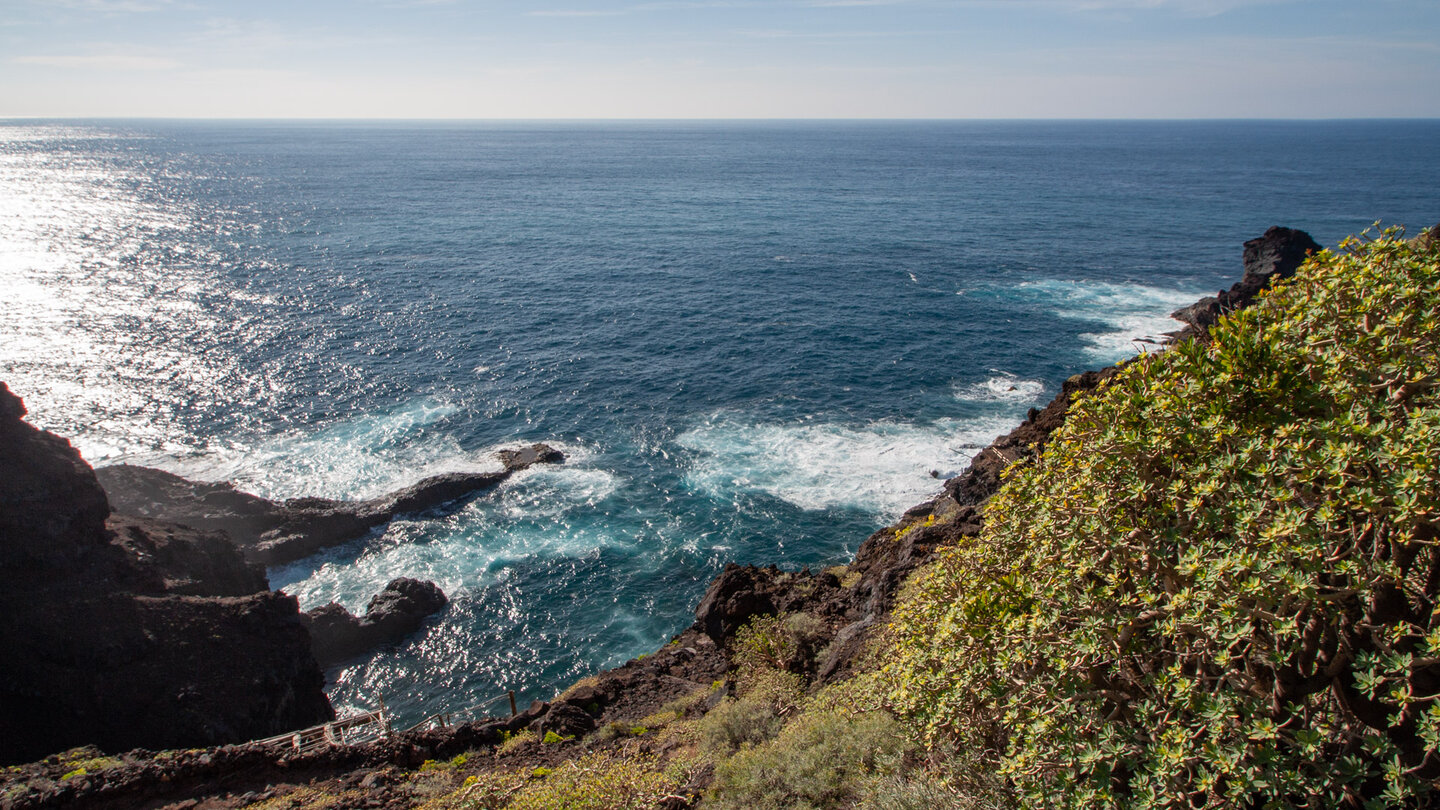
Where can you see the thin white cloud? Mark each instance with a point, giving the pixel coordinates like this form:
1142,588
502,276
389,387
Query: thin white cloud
560,12
849,3
99,62
775,33
115,6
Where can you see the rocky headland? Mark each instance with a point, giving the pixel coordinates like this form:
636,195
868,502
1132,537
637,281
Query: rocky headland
338,635
136,611
845,608
274,533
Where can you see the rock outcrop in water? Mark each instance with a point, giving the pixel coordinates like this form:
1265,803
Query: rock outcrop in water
124,632
394,613
1269,258
273,533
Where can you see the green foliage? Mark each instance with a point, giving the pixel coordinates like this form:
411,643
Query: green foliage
597,781
510,741
767,697
734,724
552,738
822,759
763,643
1217,587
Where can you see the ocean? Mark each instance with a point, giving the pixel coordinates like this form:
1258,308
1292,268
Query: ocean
756,341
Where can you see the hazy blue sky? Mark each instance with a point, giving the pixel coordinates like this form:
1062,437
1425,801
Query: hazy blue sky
721,58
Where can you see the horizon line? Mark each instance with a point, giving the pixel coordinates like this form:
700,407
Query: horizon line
699,119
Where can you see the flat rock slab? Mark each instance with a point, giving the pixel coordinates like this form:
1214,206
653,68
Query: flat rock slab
273,533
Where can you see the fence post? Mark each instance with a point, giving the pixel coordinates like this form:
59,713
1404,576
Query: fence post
512,703
384,716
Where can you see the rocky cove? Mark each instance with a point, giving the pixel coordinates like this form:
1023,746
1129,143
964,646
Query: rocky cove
137,617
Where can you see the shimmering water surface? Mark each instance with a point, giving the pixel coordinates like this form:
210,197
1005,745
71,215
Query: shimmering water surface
756,341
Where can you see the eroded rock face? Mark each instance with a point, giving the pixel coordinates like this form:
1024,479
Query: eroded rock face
125,632
273,533
394,613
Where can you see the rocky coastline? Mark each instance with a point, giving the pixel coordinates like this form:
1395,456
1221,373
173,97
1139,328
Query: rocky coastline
194,564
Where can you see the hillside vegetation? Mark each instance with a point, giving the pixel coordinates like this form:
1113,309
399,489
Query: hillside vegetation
1217,586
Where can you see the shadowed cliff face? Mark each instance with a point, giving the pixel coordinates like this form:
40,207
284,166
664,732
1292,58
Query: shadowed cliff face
127,632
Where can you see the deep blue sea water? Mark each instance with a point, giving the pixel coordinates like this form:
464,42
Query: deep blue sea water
755,340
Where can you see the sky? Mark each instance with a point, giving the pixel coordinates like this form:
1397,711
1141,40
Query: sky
720,58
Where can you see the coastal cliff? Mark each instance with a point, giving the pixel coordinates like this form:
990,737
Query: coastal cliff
121,631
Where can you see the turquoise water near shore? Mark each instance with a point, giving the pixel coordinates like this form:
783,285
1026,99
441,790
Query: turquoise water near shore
757,341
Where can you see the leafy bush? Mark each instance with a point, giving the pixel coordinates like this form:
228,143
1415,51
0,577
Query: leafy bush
734,724
1217,586
763,643
511,741
822,759
597,781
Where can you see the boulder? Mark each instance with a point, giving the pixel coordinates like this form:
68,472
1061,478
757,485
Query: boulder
733,598
394,613
565,719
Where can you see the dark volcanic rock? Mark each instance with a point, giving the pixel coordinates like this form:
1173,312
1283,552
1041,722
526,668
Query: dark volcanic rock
566,720
1276,255
52,510
739,593
392,614
274,533
128,632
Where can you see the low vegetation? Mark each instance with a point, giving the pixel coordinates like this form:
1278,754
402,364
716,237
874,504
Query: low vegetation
1217,585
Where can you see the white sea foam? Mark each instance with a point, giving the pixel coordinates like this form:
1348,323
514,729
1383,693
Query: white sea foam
533,514
360,458
461,553
1139,315
881,467
552,490
1003,388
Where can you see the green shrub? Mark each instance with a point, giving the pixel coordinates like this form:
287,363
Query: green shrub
596,781
1218,585
820,760
511,741
763,643
734,724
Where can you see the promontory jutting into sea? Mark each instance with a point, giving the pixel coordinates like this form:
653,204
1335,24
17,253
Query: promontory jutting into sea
752,342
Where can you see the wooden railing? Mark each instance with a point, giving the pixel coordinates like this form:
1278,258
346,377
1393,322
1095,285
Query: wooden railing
369,726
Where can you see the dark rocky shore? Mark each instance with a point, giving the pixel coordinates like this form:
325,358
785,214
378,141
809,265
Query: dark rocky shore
131,598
